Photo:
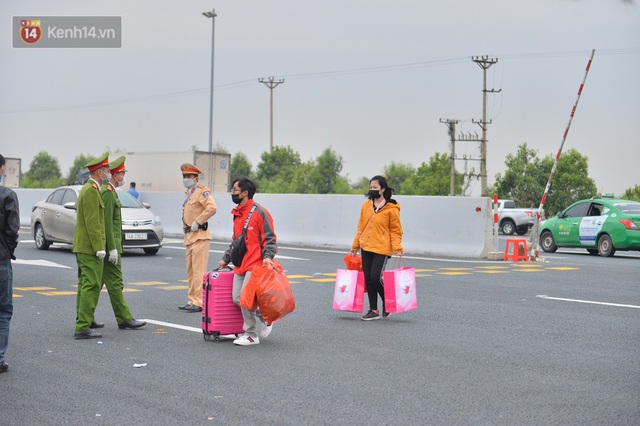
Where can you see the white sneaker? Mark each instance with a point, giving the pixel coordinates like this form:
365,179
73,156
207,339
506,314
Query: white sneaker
245,340
266,330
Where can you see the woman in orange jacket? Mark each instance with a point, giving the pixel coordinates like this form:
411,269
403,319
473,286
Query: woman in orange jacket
379,236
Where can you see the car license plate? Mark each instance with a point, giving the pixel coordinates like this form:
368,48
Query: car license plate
131,236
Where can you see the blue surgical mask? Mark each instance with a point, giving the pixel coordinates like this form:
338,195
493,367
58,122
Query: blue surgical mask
188,183
105,178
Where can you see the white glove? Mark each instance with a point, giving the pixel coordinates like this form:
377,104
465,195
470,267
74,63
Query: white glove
113,256
101,254
194,226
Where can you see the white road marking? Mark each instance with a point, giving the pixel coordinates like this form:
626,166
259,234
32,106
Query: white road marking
620,305
187,328
40,262
278,256
171,325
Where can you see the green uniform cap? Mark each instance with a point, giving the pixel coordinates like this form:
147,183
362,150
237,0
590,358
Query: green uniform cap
95,163
117,165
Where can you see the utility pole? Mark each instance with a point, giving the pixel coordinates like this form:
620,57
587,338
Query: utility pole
485,63
451,124
271,83
211,15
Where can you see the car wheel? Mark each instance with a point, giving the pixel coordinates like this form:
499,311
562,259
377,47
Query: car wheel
41,240
151,251
593,252
508,227
605,246
547,243
522,230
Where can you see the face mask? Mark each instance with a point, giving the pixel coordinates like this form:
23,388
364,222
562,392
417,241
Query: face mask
236,198
374,194
121,182
188,183
105,178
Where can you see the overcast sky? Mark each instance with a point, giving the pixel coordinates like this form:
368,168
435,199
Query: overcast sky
370,78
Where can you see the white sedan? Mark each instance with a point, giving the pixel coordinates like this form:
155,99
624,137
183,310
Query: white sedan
54,220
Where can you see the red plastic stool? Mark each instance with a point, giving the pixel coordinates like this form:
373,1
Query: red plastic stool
519,249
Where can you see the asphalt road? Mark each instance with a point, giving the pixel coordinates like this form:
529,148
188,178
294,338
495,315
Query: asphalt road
492,343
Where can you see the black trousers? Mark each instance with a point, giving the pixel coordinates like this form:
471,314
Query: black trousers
373,264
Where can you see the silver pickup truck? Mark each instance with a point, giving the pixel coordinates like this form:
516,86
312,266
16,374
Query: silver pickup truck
513,220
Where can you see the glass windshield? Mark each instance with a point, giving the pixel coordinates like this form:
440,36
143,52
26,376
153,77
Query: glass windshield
629,208
579,210
128,201
56,196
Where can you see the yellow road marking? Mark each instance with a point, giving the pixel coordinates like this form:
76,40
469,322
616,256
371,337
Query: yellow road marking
562,268
34,288
294,279
58,293
456,269
143,283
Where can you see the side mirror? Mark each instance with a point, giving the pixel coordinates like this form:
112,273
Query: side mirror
70,205
146,205
562,215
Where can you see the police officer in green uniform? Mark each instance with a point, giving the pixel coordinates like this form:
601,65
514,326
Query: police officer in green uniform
112,275
89,242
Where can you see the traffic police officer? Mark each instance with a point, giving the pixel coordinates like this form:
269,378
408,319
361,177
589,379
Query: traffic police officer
198,207
89,243
112,275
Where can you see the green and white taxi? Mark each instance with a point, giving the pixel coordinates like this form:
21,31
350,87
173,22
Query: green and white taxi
600,225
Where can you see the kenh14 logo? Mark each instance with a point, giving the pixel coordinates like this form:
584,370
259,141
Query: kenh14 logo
30,31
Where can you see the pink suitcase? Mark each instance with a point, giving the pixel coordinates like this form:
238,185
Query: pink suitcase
220,316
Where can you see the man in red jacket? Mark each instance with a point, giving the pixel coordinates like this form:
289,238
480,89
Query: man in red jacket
260,240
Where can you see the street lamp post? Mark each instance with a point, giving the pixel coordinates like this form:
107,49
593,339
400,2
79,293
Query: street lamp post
211,15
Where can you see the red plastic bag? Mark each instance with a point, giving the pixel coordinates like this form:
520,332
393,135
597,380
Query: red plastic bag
272,292
248,298
353,262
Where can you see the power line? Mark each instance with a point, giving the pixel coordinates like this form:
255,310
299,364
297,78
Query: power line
323,74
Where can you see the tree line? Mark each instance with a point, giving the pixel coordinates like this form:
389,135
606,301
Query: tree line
283,171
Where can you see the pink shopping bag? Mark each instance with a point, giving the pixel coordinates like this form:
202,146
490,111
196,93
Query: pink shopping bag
348,294
400,290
